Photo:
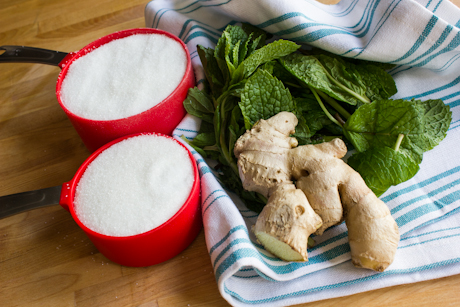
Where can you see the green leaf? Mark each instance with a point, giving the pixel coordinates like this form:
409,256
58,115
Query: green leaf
328,74
204,139
314,117
234,38
211,69
437,118
236,129
379,84
423,124
199,104
264,96
383,167
267,53
259,35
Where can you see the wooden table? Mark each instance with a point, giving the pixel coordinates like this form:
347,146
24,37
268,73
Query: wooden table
45,259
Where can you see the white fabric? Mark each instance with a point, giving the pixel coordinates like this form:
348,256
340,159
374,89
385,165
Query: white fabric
422,38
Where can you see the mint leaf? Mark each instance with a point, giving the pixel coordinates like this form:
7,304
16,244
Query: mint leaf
267,53
380,123
382,167
199,104
437,117
423,124
212,70
264,96
379,84
374,130
234,37
312,112
329,75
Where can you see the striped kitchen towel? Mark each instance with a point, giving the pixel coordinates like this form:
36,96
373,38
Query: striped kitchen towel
422,38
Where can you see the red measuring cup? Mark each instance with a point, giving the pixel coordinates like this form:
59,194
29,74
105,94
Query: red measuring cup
151,247
161,118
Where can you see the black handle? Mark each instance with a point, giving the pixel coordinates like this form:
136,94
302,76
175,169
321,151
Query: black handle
20,202
22,54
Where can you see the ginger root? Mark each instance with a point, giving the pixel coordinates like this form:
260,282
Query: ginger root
326,192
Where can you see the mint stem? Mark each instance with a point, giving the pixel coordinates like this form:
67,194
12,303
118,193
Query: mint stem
222,144
334,104
346,89
321,104
398,142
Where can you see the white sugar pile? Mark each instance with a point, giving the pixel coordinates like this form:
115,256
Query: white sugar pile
134,186
124,77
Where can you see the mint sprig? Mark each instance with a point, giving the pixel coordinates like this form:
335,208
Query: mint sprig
248,79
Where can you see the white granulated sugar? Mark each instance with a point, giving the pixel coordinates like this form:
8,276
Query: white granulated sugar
124,77
134,186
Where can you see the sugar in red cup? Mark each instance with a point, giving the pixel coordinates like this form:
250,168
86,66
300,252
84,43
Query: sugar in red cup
126,185
162,116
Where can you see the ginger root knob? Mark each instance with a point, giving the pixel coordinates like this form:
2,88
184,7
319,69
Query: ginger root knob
326,192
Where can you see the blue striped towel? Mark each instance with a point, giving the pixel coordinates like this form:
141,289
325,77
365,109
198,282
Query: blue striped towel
422,37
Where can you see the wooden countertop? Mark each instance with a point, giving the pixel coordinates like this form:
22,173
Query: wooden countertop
45,259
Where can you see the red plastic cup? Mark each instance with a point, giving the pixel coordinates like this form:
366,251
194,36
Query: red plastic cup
154,246
161,118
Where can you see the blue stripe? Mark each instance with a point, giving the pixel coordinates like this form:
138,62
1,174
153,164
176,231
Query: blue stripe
234,229
205,170
428,208
285,268
445,33
228,247
281,18
211,203
437,5
425,196
421,184
201,34
429,233
249,216
182,33
190,8
383,20
447,86
316,35
187,130
430,240
429,27
455,211
458,24
282,267
454,43
375,276
212,193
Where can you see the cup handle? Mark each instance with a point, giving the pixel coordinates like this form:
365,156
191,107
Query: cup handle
65,199
24,54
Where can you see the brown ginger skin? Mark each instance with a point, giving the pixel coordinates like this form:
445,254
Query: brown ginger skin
262,151
288,218
332,185
269,159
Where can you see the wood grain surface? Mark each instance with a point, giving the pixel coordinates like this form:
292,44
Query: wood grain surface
45,259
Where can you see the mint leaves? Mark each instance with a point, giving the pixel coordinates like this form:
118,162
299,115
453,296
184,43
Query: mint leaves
262,97
237,93
391,137
248,79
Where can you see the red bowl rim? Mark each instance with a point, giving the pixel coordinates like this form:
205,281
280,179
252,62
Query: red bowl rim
74,182
111,37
